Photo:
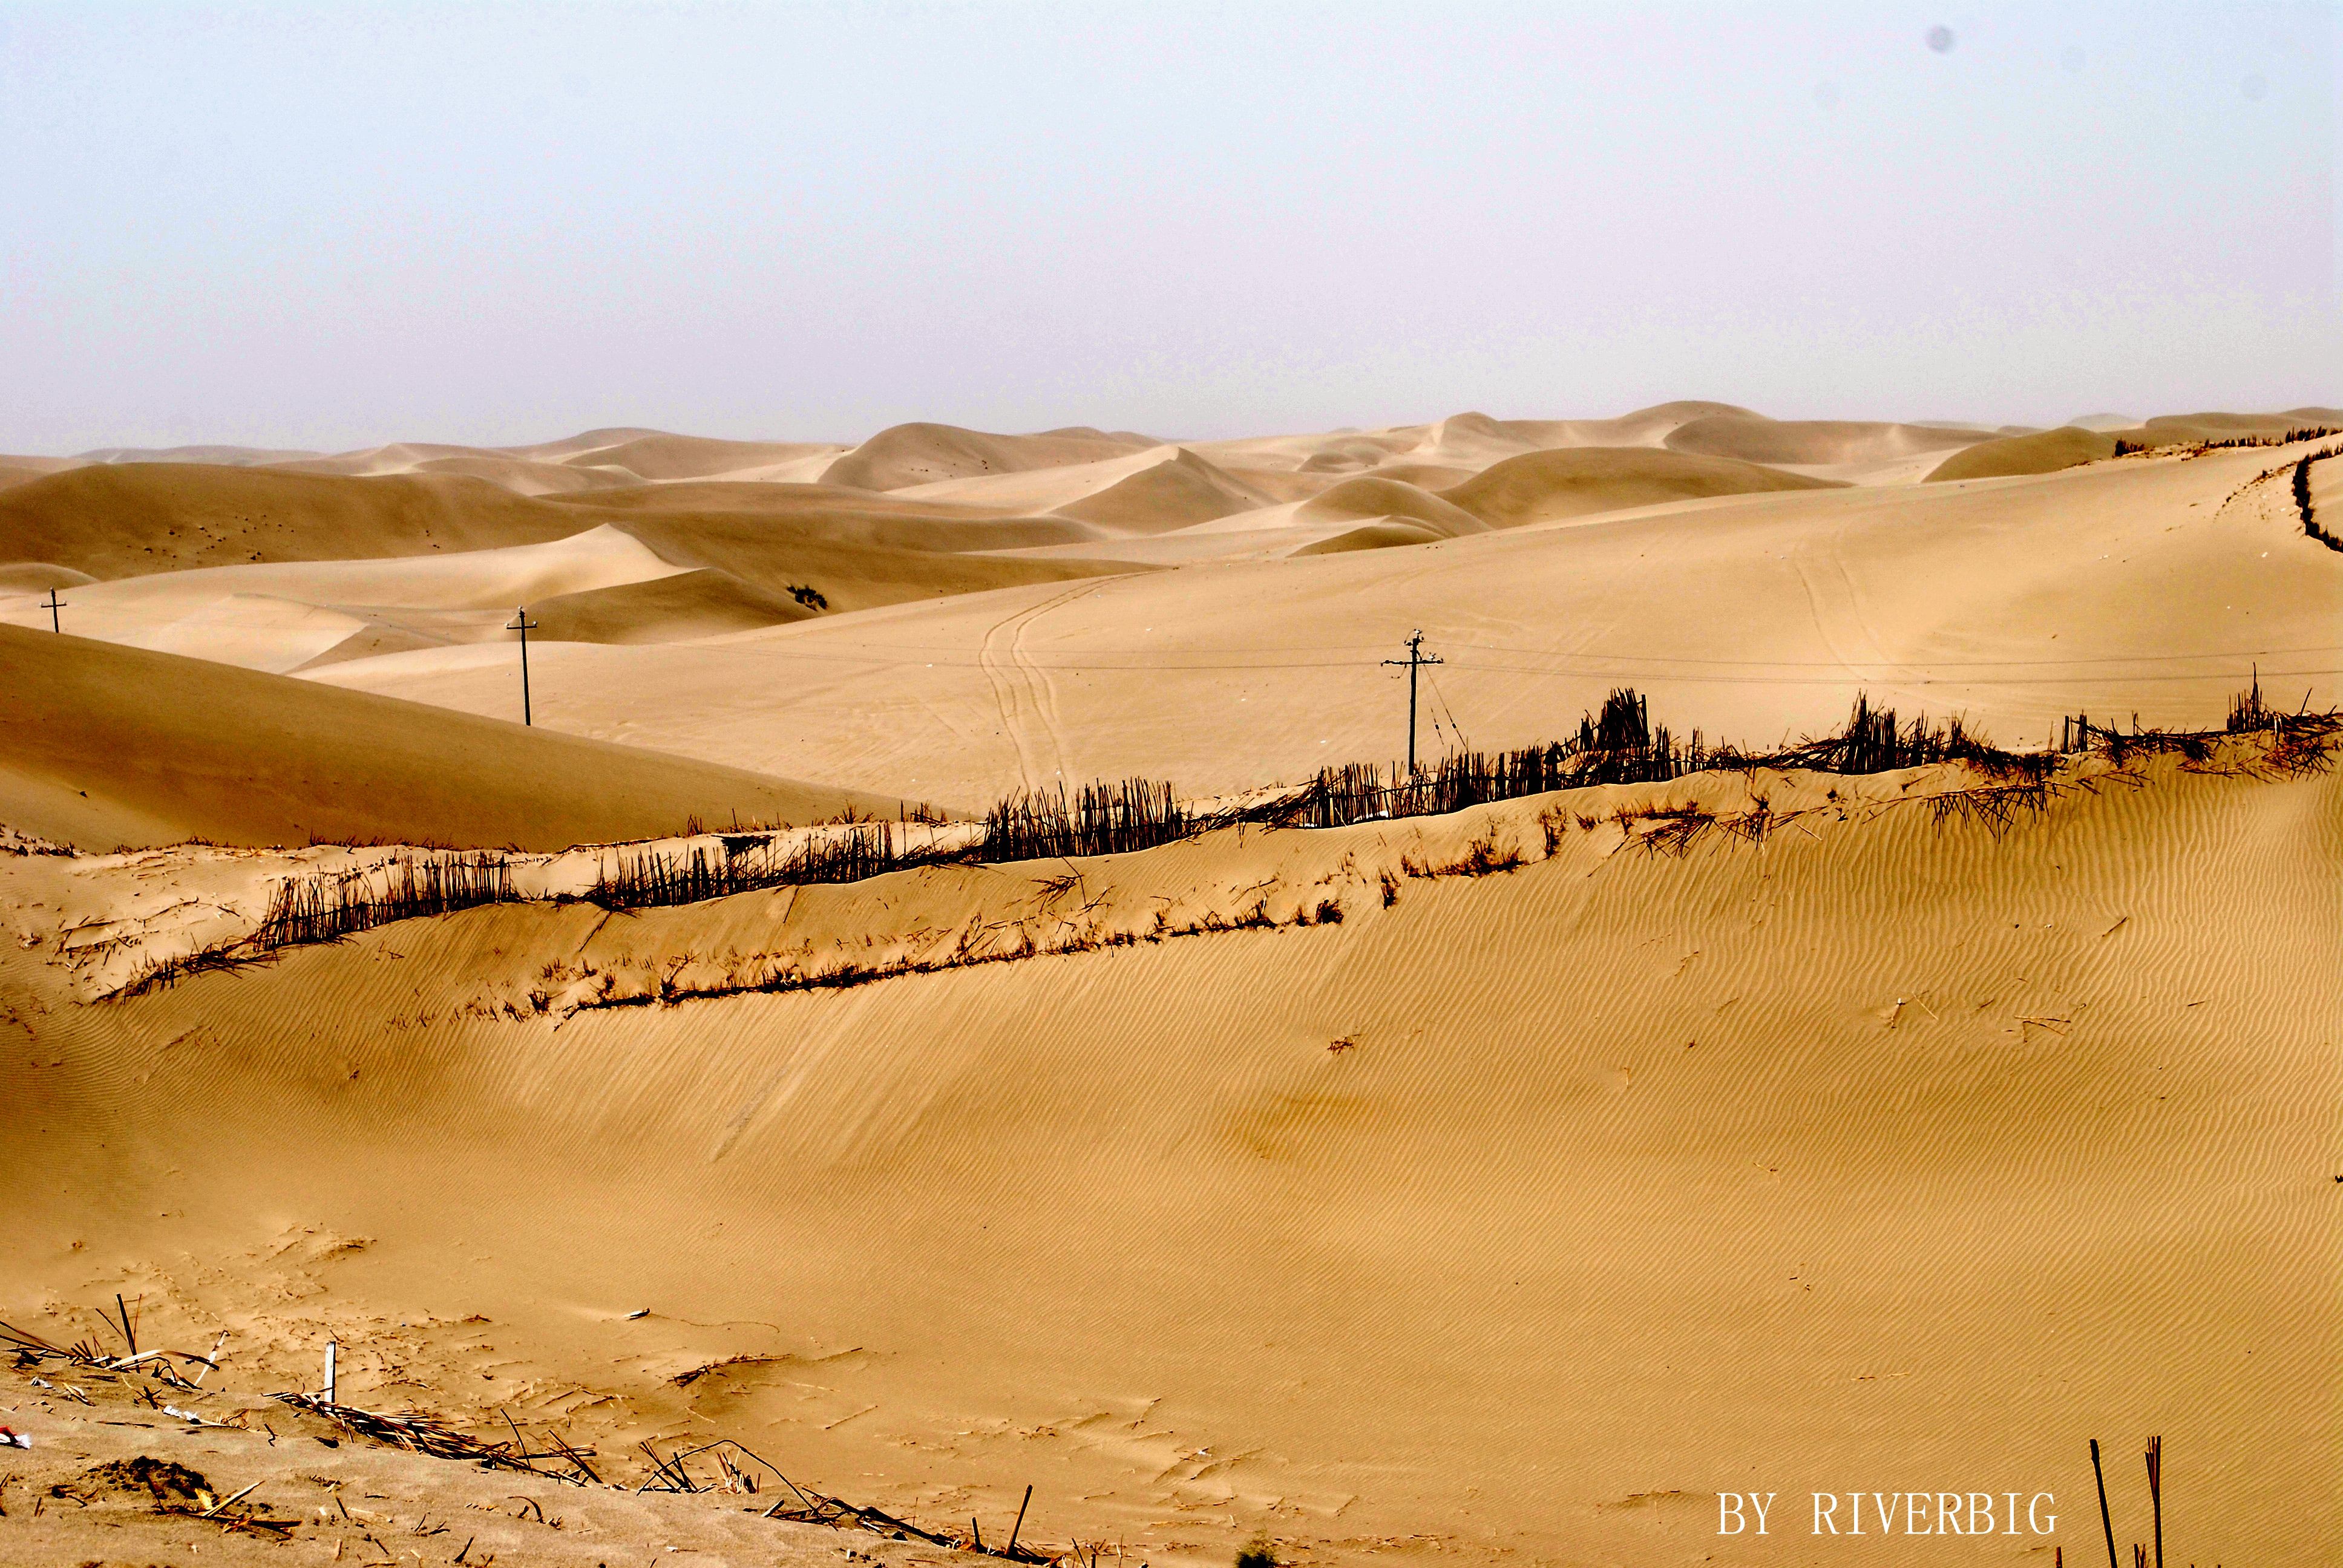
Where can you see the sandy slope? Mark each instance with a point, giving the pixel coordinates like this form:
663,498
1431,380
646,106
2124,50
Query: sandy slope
255,565
2043,452
2151,585
1889,1152
1151,491
1543,486
131,519
110,745
910,455
350,1501
707,602
1755,440
279,616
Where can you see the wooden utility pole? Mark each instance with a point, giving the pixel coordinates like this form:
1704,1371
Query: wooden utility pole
1415,660
55,604
523,625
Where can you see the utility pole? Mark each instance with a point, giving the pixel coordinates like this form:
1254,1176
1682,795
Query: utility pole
1415,660
523,625
55,605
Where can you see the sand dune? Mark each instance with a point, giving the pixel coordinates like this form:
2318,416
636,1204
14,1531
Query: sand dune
1383,534
1358,513
2217,425
197,535
227,455
1545,486
664,457
1399,1228
1757,439
111,745
38,577
1147,492
705,602
598,440
17,470
2044,452
1475,440
1378,497
907,455
282,614
115,521
522,476
851,562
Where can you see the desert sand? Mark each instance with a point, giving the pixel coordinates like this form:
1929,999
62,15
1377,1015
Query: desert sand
1494,1185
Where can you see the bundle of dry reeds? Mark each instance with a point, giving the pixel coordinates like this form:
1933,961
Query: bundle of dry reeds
645,877
30,1349
326,907
803,1505
1873,742
1102,818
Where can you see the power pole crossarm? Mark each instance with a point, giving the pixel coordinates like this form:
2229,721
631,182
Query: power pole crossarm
523,625
1415,660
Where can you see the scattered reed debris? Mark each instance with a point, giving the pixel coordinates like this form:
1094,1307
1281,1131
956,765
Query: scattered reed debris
29,1350
420,1434
737,1466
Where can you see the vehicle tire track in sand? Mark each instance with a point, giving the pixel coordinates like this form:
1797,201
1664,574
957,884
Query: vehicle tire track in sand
1022,687
1844,608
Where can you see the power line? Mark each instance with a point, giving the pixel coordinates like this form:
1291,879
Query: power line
1584,655
1627,668
1914,664
1856,674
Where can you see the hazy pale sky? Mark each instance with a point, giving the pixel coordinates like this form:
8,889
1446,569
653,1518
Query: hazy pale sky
332,225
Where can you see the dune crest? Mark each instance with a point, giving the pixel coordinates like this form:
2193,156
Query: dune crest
919,454
1760,440
1578,481
112,745
2044,452
1148,492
